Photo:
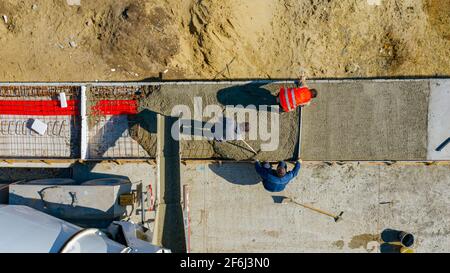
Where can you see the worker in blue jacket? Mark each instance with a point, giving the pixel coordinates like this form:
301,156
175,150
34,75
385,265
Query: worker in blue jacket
276,180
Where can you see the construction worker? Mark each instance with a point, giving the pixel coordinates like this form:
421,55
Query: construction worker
230,129
290,98
276,180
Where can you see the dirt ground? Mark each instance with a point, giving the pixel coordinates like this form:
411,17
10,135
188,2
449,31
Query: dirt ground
135,40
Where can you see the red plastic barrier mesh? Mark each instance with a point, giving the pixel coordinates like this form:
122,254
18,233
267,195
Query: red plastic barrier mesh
53,108
114,107
38,108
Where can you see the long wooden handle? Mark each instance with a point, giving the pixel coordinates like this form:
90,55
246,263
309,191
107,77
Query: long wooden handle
249,147
316,209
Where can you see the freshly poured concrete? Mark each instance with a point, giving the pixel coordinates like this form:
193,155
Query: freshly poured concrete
231,211
367,120
350,119
256,97
439,120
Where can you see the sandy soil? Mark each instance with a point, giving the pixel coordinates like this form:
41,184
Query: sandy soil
325,38
99,40
135,40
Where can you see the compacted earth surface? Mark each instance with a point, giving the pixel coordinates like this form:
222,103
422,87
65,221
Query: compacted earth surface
124,40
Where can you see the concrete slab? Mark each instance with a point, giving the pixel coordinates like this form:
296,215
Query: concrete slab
86,209
350,120
420,201
439,120
231,212
169,225
251,94
367,120
138,173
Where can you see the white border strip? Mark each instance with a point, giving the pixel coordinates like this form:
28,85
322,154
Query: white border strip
438,119
209,82
84,129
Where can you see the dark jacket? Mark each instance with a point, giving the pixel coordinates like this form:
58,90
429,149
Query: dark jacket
271,181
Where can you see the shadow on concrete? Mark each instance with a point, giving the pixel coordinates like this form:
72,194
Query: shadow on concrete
109,134
173,236
245,95
204,129
238,174
173,232
278,199
78,215
75,136
196,127
146,119
82,172
10,175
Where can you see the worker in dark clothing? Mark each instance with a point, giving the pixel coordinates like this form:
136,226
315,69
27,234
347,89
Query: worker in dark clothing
276,180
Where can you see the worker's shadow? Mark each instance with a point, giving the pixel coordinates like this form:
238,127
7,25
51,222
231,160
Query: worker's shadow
115,127
237,173
146,119
246,95
203,129
190,127
107,138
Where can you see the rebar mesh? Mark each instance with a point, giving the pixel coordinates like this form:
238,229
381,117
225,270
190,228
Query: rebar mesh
20,106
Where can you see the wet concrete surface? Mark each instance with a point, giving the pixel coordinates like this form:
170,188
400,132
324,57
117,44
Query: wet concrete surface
367,120
349,120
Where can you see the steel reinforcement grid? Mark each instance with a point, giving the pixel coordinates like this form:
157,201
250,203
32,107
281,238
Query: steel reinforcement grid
107,130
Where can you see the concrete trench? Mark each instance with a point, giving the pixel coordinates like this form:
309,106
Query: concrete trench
350,120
